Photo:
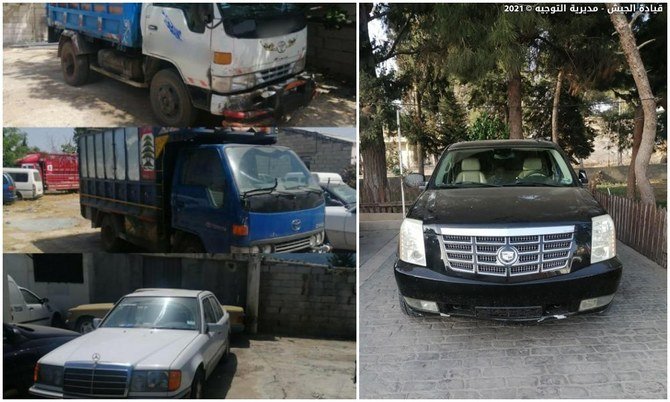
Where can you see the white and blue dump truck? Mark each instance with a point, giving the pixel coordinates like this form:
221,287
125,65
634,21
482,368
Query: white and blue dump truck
244,62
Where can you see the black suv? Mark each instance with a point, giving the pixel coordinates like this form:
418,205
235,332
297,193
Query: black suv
505,230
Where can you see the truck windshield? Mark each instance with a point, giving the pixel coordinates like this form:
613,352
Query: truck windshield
275,168
155,312
261,20
502,167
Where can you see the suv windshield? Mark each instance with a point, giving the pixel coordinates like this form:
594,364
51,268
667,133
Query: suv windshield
271,168
261,20
155,312
497,167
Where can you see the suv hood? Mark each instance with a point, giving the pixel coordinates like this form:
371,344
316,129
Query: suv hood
505,205
139,347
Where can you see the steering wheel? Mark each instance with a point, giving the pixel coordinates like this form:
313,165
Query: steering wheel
533,173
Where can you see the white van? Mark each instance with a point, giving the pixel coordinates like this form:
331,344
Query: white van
28,182
25,307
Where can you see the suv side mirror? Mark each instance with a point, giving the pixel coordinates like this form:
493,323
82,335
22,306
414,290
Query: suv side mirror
582,176
415,180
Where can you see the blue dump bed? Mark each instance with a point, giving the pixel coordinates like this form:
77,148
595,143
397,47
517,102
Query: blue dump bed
118,23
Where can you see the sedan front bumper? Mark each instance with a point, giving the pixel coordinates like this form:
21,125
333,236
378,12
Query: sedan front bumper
556,296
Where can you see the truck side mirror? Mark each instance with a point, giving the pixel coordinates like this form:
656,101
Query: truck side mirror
582,176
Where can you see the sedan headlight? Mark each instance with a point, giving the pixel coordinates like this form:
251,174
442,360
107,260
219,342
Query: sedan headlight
603,238
155,380
48,375
412,248
233,84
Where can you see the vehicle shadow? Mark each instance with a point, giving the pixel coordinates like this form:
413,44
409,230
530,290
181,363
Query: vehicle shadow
79,243
218,383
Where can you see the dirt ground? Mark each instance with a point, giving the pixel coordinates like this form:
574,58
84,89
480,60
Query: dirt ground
51,224
35,95
268,367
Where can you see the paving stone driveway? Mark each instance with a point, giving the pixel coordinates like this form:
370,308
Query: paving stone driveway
621,354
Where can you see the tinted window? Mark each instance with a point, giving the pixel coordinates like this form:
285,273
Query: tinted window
30,298
19,177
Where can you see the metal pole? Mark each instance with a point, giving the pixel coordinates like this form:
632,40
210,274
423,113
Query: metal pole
402,187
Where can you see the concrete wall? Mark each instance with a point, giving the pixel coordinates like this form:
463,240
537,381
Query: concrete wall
62,296
319,152
333,51
23,23
307,300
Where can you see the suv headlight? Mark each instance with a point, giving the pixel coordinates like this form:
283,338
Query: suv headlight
603,238
412,248
48,375
155,380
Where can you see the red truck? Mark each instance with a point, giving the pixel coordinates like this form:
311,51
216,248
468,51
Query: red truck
60,172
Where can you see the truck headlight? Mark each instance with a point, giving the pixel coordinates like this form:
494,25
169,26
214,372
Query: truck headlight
233,84
299,65
155,380
48,375
411,245
603,238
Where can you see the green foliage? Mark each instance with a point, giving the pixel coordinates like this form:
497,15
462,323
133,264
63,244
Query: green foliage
376,110
349,176
487,127
14,145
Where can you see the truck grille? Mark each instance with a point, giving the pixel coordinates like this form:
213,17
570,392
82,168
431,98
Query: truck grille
512,253
293,245
100,380
274,73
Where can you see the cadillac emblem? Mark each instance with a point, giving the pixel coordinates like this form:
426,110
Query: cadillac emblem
507,255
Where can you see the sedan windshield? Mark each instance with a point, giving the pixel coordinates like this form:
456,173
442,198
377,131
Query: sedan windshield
269,169
342,192
503,167
155,312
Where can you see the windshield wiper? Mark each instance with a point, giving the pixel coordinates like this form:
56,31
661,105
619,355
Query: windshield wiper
257,191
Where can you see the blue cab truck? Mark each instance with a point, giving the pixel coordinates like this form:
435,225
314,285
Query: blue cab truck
198,190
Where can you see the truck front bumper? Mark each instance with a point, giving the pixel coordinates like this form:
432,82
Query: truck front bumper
264,105
534,300
312,241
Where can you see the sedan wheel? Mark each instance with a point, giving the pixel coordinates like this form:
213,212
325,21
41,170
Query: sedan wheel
198,385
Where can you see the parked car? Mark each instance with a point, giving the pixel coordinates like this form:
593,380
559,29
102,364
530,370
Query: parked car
341,201
506,230
23,345
154,343
80,318
26,307
28,182
8,189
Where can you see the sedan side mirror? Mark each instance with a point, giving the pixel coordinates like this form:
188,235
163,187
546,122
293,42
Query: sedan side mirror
415,180
96,322
215,328
582,176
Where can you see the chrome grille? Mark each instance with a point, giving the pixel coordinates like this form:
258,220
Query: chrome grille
99,380
537,249
292,245
274,73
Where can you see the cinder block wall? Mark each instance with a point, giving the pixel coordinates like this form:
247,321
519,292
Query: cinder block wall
319,152
333,51
23,23
307,300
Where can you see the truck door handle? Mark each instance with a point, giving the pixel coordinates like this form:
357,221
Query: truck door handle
153,27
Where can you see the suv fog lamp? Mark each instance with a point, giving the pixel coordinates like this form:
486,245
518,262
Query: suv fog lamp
423,305
590,304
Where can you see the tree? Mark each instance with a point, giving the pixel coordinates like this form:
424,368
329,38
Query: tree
647,100
14,145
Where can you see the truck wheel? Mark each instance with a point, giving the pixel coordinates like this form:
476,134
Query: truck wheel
170,101
109,236
84,325
75,68
405,308
198,385
189,244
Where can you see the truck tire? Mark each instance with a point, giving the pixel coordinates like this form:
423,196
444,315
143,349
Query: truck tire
170,101
189,244
109,235
75,68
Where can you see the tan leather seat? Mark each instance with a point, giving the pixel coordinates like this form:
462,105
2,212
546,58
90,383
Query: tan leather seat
531,165
470,172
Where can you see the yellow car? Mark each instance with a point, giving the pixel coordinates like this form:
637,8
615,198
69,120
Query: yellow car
80,318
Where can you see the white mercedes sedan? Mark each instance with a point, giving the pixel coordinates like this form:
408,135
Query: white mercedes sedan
154,343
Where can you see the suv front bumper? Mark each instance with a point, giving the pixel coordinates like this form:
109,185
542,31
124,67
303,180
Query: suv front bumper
557,296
